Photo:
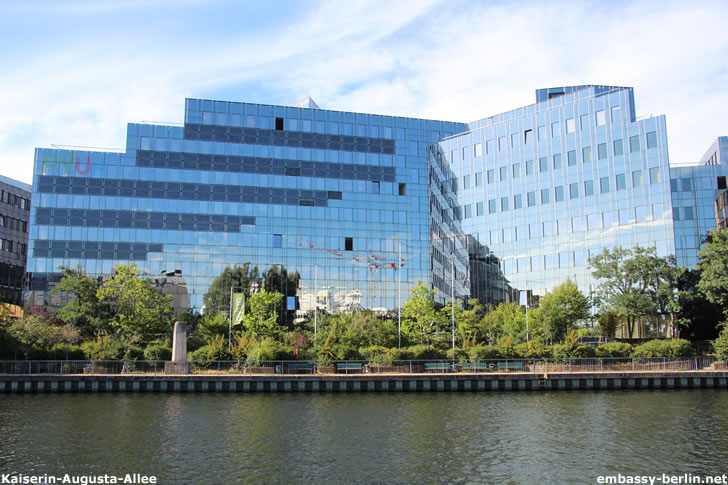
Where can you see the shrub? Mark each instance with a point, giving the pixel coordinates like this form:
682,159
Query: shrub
133,352
651,348
198,355
507,348
532,350
664,348
374,352
457,354
68,352
423,352
720,345
614,349
399,354
484,352
269,349
679,348
103,348
158,351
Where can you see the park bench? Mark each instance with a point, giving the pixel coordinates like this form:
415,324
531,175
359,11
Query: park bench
477,366
298,368
349,367
510,365
437,366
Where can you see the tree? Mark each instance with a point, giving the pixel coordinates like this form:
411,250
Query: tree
241,278
262,318
278,279
140,312
34,333
627,286
713,267
562,308
420,315
84,311
505,320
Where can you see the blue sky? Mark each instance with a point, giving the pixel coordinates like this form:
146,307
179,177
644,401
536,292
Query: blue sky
76,72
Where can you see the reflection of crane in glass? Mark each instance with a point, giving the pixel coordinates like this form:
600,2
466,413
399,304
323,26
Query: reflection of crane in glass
373,262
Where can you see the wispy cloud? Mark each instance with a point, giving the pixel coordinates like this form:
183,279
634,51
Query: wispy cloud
452,60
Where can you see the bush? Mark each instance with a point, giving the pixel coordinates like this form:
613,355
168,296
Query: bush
423,352
664,348
614,349
269,349
720,345
484,352
374,353
457,354
133,352
399,354
198,355
103,348
158,351
506,348
569,351
532,350
68,352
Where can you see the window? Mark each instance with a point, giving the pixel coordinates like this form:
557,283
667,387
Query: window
517,204
501,143
544,196
478,149
514,140
634,144
488,146
527,135
504,204
279,124
277,240
467,208
542,132
491,206
573,190
402,189
586,154
557,160
721,180
637,178
673,185
604,185
555,128
465,151
503,173
588,188
529,167
618,148
602,151
531,199
348,244
688,214
687,184
491,176
479,209
375,187
559,193
466,182
478,179
454,185
584,122
516,170
620,182
543,164
651,140
571,157
601,118
570,125
616,113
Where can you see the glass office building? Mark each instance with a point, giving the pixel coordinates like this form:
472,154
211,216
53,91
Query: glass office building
14,218
363,205
341,198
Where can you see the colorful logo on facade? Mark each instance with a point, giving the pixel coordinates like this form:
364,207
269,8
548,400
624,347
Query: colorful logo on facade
67,161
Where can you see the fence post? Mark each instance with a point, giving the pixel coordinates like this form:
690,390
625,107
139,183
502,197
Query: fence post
601,365
696,363
632,364
410,362
155,367
546,362
30,367
218,367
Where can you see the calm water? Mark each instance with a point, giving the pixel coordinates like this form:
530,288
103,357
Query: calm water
521,438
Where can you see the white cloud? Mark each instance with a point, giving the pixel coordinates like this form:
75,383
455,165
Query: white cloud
458,61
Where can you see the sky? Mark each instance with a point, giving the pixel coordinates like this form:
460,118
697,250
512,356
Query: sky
74,73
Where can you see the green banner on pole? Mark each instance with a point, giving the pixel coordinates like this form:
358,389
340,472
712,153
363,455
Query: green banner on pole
238,310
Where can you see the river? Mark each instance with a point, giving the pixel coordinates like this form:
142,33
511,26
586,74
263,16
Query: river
519,438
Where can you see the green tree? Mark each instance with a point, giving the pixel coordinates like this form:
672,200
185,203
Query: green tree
278,279
241,278
713,266
508,319
34,333
261,318
420,315
563,308
720,345
627,283
84,311
140,312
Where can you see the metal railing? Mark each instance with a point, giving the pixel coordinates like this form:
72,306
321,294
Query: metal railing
312,367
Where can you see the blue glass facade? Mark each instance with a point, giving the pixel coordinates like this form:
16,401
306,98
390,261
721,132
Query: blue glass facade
515,201
329,194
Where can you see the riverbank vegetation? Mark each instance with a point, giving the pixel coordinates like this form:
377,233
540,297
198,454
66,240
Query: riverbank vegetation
126,317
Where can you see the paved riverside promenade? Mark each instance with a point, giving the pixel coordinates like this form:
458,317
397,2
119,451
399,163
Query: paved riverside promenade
356,383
